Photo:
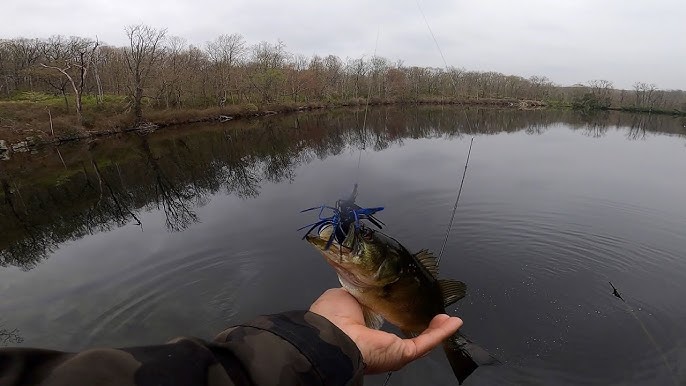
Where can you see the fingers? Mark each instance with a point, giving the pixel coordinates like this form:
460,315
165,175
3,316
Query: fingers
441,327
336,294
339,307
332,297
382,351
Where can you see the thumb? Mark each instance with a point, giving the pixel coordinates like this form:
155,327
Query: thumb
441,327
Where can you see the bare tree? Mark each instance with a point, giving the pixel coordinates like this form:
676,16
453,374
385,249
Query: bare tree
645,94
81,53
143,53
378,67
94,61
55,51
602,89
171,71
296,78
174,74
268,75
540,87
334,74
358,69
23,54
226,52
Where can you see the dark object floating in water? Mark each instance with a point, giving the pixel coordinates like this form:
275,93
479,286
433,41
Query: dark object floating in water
615,292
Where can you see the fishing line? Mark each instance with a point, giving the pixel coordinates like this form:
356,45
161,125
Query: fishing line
440,51
647,333
388,377
366,109
471,142
464,173
426,21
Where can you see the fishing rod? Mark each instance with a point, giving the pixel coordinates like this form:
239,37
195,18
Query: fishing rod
459,192
457,201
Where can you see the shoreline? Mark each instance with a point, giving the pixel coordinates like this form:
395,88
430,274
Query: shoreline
29,138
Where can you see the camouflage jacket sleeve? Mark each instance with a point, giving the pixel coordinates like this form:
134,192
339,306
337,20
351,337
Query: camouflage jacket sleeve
293,348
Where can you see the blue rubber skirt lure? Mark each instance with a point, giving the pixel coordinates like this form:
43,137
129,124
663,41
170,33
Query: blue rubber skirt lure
343,215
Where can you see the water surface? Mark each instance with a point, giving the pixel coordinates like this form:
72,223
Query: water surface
137,239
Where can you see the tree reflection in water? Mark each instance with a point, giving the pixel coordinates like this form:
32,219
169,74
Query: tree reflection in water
108,183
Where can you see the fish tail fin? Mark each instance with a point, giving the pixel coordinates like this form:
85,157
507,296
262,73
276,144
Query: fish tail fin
461,363
464,356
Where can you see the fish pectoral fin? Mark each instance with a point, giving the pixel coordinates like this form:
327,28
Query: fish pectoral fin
452,291
428,260
372,319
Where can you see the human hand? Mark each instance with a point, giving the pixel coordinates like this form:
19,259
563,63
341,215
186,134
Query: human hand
381,351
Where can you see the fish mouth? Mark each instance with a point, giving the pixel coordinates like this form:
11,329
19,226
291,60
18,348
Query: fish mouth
322,240
336,255
334,248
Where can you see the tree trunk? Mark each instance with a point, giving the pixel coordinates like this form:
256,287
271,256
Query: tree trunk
79,108
66,100
138,106
97,80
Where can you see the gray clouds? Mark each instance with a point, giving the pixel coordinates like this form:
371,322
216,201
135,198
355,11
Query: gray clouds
568,41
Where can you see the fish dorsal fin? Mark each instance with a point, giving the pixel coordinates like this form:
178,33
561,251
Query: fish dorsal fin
452,291
372,319
428,260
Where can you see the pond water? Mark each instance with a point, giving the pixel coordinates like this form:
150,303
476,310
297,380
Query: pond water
138,239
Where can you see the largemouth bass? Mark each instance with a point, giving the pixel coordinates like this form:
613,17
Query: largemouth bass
395,285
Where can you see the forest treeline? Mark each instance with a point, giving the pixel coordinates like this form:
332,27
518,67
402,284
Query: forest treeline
84,79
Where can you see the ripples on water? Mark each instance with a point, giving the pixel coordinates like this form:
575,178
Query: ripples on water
554,207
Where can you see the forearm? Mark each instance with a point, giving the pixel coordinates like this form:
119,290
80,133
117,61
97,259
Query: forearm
292,348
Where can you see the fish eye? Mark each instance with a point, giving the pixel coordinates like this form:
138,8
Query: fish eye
367,233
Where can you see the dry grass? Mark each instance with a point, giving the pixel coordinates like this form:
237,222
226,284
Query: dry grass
28,115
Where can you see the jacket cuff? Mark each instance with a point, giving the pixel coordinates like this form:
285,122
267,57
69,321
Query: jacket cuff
333,357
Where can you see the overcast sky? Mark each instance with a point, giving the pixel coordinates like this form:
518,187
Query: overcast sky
569,41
